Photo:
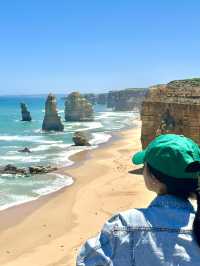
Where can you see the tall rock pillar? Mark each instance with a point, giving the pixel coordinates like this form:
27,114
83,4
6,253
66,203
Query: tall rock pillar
26,116
52,121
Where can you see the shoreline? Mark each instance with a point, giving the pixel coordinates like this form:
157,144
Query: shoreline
57,224
76,159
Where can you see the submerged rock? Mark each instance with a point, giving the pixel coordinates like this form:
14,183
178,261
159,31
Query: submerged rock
12,169
81,139
52,121
41,169
77,108
25,150
26,116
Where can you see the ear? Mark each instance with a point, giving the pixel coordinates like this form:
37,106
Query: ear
193,167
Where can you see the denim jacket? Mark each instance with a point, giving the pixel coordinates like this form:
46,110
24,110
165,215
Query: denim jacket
158,235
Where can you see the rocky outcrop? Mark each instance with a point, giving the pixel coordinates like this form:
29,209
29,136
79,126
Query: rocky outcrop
26,116
81,139
172,108
32,170
52,121
126,100
25,150
77,108
13,170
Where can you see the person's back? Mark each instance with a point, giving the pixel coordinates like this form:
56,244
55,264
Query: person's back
158,235
165,233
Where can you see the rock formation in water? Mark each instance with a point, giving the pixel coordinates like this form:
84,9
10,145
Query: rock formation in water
81,139
40,169
26,116
25,150
172,108
126,100
77,108
52,121
13,170
31,170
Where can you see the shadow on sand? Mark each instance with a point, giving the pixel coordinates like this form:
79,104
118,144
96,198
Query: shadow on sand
138,171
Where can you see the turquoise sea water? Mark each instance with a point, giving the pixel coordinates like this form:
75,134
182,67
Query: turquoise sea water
47,148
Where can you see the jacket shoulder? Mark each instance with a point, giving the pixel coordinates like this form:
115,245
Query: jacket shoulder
101,249
129,218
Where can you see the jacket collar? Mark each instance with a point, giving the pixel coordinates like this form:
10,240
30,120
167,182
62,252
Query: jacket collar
170,201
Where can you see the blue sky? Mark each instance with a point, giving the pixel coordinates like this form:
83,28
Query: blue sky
96,45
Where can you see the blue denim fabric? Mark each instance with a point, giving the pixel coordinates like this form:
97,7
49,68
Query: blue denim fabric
158,235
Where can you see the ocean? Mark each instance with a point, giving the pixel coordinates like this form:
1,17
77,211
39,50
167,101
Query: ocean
47,148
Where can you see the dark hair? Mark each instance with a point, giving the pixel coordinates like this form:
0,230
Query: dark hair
181,187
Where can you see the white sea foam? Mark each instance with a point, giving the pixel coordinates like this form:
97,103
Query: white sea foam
47,147
39,130
26,158
60,182
41,148
37,139
12,152
60,111
82,126
6,175
99,138
108,115
13,200
63,157
92,125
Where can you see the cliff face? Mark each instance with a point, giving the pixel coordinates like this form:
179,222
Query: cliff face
77,108
26,116
126,100
102,98
172,108
51,120
91,97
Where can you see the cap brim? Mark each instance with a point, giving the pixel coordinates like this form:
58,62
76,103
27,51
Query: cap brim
138,158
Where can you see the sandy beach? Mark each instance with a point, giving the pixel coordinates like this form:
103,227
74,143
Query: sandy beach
50,231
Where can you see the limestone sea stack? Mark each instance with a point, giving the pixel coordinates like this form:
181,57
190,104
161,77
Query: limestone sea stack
172,108
52,121
77,108
26,116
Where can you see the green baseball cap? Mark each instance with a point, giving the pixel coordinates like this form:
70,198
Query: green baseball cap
171,154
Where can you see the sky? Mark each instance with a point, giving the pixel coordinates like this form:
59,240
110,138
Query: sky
96,45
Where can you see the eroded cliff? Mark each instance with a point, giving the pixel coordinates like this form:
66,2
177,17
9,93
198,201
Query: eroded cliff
172,108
